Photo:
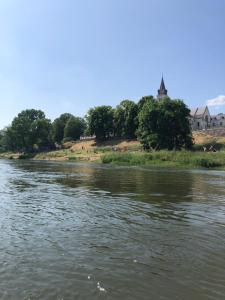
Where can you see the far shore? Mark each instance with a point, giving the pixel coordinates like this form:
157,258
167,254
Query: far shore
127,152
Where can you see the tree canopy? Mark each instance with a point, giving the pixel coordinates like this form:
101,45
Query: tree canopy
74,128
158,124
125,119
30,127
58,127
164,124
143,100
100,121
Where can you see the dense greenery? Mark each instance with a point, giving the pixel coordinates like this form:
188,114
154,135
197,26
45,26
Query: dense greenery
164,124
158,124
100,121
31,131
125,119
28,129
167,159
58,127
74,128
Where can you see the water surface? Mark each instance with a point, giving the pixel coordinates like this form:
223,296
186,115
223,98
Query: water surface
85,231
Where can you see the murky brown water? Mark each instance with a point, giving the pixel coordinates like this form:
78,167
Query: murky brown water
83,231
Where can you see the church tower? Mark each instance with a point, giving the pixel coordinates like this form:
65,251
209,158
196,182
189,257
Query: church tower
162,92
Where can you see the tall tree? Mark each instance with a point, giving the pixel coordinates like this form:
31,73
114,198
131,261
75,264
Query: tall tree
74,128
7,140
143,100
43,127
125,119
100,121
164,124
26,129
58,127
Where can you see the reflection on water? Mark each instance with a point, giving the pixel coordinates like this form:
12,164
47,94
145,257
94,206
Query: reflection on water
83,231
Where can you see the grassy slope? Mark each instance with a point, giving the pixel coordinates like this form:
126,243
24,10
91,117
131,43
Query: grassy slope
129,152
208,138
89,150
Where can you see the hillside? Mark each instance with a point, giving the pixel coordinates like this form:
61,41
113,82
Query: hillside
89,150
210,136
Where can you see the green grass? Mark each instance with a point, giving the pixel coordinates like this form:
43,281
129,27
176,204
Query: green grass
185,159
168,158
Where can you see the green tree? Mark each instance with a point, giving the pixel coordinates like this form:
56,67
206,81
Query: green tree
164,124
74,128
42,128
26,130
125,119
58,127
100,121
118,121
143,100
7,141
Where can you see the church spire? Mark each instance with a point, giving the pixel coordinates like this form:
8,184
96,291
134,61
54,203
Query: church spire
162,92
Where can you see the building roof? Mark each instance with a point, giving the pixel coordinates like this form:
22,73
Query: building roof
162,85
199,111
162,90
193,111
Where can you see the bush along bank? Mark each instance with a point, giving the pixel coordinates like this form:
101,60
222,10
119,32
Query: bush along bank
167,159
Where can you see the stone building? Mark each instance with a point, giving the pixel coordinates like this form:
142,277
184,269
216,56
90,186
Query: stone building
200,118
218,120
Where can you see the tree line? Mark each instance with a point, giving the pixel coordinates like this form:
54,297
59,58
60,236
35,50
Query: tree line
158,124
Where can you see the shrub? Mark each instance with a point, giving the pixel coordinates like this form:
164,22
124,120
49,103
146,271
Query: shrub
207,162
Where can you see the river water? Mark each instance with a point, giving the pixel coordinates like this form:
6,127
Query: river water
85,231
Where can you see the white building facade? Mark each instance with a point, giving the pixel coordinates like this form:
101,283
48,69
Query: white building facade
201,119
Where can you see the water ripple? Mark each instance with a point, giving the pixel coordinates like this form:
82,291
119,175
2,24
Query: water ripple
139,233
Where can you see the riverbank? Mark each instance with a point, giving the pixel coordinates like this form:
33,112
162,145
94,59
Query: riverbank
129,152
174,159
178,159
88,150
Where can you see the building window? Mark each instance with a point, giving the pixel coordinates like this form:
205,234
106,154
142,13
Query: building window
198,124
221,123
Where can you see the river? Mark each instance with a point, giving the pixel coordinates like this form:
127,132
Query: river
86,231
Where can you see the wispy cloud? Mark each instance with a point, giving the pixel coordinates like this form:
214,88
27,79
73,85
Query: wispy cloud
219,100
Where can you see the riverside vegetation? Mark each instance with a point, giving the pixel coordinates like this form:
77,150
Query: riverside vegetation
151,132
130,152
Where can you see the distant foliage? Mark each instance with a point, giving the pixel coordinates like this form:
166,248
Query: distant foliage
125,119
29,129
7,142
164,124
143,100
100,122
158,124
74,128
58,127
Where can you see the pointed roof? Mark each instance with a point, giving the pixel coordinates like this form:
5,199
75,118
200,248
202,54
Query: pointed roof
199,111
162,85
162,92
193,111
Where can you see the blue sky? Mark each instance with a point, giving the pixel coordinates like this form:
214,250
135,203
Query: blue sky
70,55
